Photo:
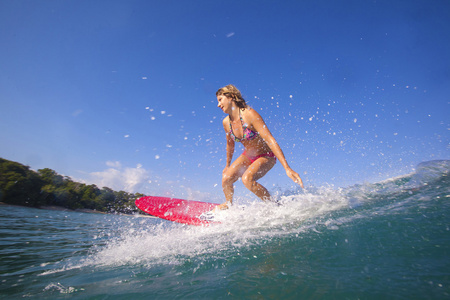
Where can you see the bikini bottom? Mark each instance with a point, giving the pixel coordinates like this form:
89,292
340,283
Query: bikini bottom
254,158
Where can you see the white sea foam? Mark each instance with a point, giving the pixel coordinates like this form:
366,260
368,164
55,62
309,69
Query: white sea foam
240,227
141,242
60,288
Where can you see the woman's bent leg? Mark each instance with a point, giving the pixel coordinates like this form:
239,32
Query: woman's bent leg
256,171
232,174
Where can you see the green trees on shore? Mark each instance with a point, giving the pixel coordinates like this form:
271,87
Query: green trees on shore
21,186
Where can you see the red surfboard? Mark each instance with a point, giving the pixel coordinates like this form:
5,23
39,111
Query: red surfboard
177,210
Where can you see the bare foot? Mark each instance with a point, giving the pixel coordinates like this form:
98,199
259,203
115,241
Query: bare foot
222,206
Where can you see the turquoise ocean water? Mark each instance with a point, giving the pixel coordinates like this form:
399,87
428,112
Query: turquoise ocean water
389,240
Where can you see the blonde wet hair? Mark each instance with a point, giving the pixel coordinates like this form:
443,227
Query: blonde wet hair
232,92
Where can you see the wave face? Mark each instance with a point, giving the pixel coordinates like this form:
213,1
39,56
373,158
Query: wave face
372,241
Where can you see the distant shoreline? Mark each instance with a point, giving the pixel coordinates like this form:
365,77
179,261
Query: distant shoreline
81,210
44,188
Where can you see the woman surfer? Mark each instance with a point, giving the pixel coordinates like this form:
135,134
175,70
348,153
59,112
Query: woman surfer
243,124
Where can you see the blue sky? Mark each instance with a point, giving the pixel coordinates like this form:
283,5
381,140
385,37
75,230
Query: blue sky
122,93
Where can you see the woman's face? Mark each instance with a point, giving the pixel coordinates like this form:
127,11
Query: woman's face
225,103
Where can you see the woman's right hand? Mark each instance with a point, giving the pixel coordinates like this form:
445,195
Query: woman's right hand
294,176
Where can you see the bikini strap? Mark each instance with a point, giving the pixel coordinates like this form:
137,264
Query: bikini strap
240,117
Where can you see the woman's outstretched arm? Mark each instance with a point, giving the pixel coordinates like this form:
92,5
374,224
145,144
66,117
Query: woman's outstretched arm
258,123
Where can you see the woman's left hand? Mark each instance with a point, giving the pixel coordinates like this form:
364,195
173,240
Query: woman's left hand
294,176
